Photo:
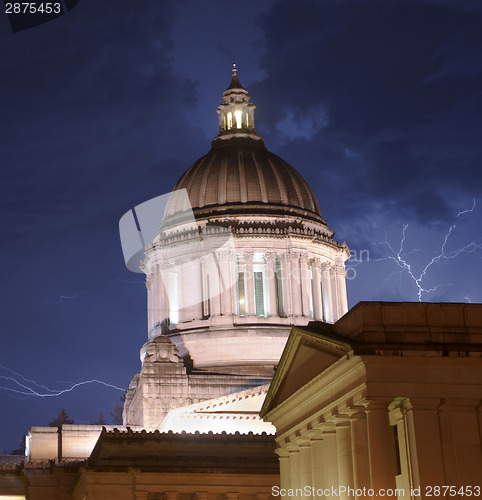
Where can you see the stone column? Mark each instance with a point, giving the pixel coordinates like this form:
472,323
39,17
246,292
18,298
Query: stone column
327,296
226,299
213,271
305,285
182,298
273,309
305,463
317,460
317,300
330,458
294,459
340,273
381,445
359,448
154,298
284,467
425,438
345,460
286,284
248,258
190,287
163,301
206,285
295,282
150,323
197,284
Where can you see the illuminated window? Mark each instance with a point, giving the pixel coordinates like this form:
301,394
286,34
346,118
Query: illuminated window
230,120
247,120
258,293
238,115
224,122
241,306
261,286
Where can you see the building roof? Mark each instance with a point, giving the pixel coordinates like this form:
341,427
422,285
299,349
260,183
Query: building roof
235,413
187,453
11,461
423,330
235,84
240,176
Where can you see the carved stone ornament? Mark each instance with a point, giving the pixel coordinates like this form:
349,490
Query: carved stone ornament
162,350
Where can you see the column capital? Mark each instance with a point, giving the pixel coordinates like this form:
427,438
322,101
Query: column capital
374,404
248,256
292,447
326,266
282,452
302,441
270,256
315,262
295,255
303,257
340,270
315,434
284,257
356,412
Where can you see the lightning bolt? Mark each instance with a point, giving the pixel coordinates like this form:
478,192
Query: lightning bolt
60,297
26,387
399,256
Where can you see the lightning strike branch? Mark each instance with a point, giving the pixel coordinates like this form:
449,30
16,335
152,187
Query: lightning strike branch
27,387
399,256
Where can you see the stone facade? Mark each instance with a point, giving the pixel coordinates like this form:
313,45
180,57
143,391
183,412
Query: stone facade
387,398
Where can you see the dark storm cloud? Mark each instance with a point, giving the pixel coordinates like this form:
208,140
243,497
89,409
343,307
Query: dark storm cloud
377,104
86,101
400,85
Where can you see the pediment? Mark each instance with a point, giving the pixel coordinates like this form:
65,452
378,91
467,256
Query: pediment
307,354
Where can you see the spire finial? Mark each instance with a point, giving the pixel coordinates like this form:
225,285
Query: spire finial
235,71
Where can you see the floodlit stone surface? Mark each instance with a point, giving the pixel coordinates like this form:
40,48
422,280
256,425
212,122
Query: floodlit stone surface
392,391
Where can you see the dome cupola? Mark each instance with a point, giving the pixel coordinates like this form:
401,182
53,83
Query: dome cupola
236,113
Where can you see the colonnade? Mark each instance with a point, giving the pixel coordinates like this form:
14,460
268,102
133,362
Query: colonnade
196,289
344,457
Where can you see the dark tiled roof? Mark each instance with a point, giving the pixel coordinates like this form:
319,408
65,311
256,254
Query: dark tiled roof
241,175
10,461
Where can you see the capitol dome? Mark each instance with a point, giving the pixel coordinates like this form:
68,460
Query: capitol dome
258,259
239,175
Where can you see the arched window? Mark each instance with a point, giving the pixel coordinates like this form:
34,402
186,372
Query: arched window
261,286
238,115
241,300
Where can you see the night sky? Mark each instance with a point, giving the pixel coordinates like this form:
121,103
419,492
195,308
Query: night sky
378,104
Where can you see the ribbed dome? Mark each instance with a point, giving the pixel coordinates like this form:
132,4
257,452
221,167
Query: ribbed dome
240,176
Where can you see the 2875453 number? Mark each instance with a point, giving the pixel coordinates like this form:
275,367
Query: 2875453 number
33,8
442,491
